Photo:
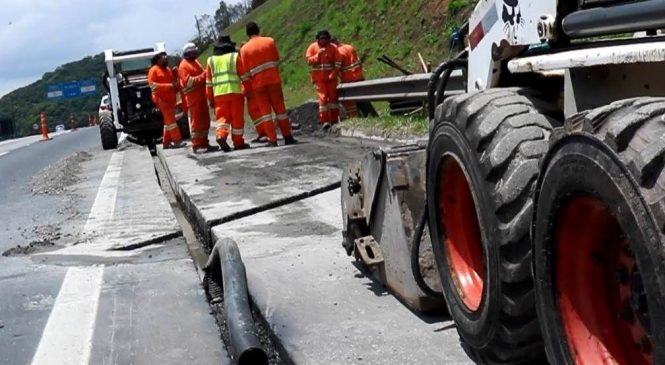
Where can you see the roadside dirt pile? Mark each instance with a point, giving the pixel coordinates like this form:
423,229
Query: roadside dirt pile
55,179
306,116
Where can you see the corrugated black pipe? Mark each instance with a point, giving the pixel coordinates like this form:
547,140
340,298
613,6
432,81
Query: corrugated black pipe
435,89
245,343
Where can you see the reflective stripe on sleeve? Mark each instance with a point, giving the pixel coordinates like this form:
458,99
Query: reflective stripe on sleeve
170,127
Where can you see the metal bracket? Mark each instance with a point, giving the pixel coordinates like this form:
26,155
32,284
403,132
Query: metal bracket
368,250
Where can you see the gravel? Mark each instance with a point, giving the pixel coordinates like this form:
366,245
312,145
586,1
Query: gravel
55,179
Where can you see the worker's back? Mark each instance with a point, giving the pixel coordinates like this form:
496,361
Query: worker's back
260,60
352,69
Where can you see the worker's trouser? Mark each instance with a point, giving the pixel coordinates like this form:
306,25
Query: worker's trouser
171,130
229,117
254,113
199,121
328,106
44,131
351,109
270,98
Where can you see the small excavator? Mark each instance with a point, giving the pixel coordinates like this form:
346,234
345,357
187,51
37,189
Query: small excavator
534,214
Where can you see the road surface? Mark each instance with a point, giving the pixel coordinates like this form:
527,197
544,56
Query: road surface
68,297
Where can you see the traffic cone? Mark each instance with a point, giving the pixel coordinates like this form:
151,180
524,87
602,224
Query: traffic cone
44,125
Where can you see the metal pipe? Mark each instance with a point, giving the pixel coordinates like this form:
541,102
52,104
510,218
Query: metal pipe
244,342
631,17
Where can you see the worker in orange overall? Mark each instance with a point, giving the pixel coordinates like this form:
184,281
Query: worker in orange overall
224,92
92,120
164,87
351,71
193,81
259,72
325,61
44,126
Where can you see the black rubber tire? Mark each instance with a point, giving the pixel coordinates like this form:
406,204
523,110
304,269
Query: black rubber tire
498,137
183,125
107,131
615,153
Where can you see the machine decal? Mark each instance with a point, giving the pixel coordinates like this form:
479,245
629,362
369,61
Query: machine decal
489,19
512,18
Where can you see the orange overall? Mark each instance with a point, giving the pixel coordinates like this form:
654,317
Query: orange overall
192,81
161,81
325,67
229,104
44,126
259,72
351,71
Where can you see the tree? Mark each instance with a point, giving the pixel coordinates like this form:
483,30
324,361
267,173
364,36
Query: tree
222,17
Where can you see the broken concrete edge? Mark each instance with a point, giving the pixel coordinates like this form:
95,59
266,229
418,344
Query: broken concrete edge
370,134
202,229
152,241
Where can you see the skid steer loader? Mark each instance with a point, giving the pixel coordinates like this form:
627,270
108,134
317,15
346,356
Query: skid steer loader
542,187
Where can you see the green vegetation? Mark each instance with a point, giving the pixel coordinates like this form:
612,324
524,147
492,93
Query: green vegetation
390,126
24,104
398,29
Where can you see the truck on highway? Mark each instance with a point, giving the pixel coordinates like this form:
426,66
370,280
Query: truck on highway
542,187
129,108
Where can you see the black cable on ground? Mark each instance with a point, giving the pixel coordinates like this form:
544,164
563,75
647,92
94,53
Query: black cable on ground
415,255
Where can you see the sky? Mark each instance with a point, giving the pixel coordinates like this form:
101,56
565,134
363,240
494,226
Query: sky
36,36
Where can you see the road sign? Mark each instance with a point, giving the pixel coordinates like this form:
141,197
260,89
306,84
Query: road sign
70,90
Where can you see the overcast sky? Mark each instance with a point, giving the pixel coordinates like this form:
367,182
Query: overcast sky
36,36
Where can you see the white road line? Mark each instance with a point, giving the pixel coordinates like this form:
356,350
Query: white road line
67,338
3,153
103,208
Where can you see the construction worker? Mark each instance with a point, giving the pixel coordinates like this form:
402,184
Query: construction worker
92,120
351,71
325,61
259,72
164,87
44,126
224,92
192,81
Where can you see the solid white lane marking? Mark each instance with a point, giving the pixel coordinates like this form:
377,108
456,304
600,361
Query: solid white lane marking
103,208
67,337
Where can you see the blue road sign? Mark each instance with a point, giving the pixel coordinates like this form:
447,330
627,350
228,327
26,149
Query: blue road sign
70,90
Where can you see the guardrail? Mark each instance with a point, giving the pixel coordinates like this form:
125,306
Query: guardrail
411,87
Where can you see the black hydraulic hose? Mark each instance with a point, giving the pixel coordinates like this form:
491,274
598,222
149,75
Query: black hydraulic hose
415,255
435,89
244,342
616,19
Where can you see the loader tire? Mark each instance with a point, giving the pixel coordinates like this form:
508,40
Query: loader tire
599,233
107,131
483,161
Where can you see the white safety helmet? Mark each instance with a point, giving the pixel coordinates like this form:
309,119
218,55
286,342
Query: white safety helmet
189,47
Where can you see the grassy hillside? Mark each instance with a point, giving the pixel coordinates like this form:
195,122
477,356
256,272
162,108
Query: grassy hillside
25,103
396,28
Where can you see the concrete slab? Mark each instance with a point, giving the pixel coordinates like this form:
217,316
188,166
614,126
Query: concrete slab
155,313
321,307
130,211
217,187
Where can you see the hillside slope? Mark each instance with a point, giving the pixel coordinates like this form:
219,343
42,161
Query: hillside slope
26,102
396,28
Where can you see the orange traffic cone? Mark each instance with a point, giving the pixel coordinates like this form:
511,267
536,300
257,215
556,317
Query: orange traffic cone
44,125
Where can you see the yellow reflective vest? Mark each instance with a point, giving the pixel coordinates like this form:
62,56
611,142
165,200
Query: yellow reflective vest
223,74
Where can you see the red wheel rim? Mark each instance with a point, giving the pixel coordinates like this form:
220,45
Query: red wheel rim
599,289
462,243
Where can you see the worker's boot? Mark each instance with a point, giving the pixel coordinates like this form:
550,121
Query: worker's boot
224,145
326,126
260,139
289,140
272,144
243,146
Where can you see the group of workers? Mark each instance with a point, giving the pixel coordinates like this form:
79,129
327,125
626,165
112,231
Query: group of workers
230,77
